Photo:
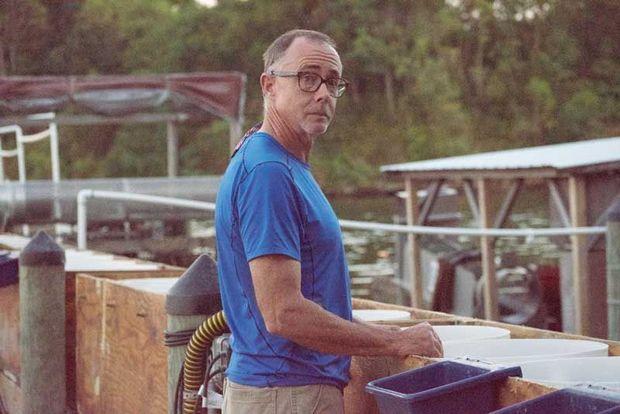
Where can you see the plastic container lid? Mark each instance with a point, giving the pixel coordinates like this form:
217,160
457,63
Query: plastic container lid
561,373
511,351
581,400
375,315
458,333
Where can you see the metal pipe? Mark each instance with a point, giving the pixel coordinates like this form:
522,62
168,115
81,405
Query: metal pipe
55,157
15,129
460,231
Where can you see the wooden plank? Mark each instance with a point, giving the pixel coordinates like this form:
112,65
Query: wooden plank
558,201
577,203
470,194
503,174
134,376
431,196
487,250
508,203
70,330
412,208
515,390
89,352
119,275
9,329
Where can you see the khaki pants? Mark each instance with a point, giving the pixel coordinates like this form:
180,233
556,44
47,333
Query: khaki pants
305,399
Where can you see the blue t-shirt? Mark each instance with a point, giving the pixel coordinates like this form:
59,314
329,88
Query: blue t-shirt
269,203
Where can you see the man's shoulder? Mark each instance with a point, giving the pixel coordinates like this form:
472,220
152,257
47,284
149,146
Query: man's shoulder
260,151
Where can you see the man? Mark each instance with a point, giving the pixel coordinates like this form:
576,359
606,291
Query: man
281,262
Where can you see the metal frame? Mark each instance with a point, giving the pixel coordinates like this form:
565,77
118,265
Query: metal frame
20,153
84,195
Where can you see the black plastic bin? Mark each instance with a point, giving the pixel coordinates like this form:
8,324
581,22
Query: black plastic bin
443,387
569,401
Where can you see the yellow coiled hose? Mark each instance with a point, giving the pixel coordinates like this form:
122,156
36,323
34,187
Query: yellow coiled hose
194,364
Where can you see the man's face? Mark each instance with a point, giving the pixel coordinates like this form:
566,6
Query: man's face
305,113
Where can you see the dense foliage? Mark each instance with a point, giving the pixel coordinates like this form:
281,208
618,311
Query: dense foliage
429,78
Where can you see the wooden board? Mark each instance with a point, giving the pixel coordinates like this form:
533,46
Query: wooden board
116,275
89,354
9,329
134,376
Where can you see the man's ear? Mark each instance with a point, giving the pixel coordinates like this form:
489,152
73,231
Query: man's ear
267,84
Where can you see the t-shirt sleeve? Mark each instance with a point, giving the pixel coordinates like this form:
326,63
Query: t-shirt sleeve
269,216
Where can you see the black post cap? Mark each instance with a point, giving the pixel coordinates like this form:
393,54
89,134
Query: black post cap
42,250
197,291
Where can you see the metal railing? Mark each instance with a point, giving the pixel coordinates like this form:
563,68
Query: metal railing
529,233
465,231
84,195
19,151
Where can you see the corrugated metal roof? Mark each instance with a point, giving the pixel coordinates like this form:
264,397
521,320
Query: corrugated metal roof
557,156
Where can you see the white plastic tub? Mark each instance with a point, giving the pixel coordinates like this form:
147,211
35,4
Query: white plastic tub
515,351
458,333
562,373
375,315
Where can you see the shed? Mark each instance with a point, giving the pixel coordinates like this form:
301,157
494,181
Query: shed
583,181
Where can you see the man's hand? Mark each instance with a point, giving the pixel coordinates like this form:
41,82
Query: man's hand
419,340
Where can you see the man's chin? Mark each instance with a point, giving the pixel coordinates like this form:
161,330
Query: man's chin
318,128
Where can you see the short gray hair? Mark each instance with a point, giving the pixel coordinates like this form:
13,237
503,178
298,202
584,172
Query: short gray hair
276,50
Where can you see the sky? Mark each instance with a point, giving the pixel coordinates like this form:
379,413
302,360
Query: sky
208,3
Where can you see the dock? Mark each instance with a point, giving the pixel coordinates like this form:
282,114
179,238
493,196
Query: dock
116,358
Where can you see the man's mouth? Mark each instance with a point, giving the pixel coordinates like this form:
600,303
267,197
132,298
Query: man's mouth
324,115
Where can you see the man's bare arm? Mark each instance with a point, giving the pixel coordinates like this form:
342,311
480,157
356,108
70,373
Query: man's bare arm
277,284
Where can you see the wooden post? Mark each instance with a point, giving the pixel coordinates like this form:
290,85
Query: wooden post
42,326
487,251
613,273
173,149
579,254
413,212
193,298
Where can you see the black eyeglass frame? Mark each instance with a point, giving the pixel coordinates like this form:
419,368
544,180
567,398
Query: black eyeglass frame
341,87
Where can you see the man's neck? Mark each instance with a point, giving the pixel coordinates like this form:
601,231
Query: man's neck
299,146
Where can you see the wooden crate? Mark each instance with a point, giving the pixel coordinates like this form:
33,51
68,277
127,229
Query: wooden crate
9,330
121,358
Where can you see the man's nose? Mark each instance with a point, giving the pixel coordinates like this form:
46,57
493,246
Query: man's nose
322,93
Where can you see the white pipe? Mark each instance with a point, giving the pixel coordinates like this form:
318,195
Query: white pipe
460,231
21,158
82,199
83,195
54,152
15,129
27,139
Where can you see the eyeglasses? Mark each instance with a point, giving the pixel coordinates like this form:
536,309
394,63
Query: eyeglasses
311,82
